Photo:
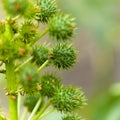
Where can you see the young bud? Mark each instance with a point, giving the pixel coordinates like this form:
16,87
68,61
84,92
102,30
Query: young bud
21,51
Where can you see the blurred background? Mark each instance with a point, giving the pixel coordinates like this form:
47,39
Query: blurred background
97,72
98,68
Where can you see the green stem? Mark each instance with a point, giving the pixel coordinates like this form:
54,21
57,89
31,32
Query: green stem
23,117
16,18
24,63
47,113
2,117
39,36
19,104
35,109
42,110
43,65
11,85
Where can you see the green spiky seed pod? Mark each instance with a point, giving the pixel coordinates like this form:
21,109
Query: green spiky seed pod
61,27
63,56
49,84
30,101
29,79
47,8
40,54
68,99
15,7
71,117
28,31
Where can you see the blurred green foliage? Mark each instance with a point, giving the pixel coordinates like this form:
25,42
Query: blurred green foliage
107,106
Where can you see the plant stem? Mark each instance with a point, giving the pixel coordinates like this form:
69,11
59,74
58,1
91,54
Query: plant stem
28,60
2,117
47,113
16,18
39,36
43,65
42,110
35,109
24,114
11,85
19,104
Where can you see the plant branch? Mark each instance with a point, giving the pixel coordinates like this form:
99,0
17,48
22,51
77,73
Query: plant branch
43,65
24,114
2,117
42,110
47,113
39,36
16,18
24,63
35,109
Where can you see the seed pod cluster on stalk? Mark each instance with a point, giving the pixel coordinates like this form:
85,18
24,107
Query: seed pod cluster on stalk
25,57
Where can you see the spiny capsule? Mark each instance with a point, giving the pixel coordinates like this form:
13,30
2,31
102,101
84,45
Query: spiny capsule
67,99
47,8
50,83
63,56
40,54
61,27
